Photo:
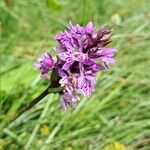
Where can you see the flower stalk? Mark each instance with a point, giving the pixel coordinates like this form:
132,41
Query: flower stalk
47,91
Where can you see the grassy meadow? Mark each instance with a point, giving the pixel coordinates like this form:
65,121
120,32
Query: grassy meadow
115,117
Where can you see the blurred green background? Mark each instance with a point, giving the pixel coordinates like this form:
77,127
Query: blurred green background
115,117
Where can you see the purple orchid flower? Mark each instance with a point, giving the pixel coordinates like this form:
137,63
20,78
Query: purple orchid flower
79,51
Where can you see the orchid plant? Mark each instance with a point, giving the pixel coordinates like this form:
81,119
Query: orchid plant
81,53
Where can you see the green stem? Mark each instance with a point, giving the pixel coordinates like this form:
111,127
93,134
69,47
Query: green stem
32,103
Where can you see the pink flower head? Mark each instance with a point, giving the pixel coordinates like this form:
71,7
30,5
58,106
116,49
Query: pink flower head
82,52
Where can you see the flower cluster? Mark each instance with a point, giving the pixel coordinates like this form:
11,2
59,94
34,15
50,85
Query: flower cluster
82,52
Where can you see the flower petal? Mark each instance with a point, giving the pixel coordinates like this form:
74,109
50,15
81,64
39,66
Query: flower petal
67,65
89,27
